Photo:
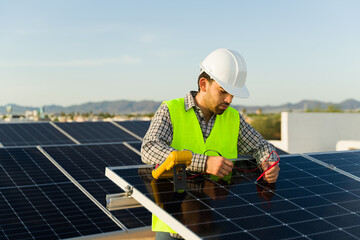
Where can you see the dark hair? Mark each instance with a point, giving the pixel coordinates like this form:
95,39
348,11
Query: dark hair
204,75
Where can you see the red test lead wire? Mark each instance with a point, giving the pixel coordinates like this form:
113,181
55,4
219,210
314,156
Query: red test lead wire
245,170
273,165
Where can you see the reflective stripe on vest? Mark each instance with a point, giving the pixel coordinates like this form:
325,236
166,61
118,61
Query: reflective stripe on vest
187,134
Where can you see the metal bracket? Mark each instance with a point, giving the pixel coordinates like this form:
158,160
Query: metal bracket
331,166
121,200
129,190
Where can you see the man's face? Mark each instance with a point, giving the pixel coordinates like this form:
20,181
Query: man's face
216,98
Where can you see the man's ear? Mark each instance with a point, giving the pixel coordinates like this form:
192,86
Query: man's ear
203,82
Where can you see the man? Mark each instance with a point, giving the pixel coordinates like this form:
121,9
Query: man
204,123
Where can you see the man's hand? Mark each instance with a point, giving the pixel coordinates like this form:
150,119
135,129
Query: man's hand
271,175
218,166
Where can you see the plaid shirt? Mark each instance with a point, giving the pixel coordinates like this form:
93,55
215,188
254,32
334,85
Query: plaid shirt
156,143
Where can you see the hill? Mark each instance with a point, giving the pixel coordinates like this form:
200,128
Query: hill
143,107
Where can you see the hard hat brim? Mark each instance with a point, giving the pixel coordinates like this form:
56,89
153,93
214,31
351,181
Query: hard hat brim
237,92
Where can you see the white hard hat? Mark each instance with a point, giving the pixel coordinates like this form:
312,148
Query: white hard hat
228,69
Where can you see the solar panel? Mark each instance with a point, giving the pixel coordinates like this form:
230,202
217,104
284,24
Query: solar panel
38,202
31,134
138,127
309,201
87,163
348,161
96,132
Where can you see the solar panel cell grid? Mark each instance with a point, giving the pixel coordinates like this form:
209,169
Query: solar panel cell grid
38,202
19,168
31,134
88,162
347,161
51,212
138,127
95,132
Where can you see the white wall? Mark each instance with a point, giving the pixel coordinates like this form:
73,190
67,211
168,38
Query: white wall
347,145
316,132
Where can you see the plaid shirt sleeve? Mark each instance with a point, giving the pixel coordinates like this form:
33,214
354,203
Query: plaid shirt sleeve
251,142
156,144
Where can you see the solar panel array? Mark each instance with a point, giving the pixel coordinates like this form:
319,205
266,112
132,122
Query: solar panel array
309,201
57,190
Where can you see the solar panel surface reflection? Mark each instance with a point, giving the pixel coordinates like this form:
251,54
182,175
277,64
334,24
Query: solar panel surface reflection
308,201
38,202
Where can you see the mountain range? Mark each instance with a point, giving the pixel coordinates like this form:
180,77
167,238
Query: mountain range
147,106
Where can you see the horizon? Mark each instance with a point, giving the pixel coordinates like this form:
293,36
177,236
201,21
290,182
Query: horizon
232,104
69,53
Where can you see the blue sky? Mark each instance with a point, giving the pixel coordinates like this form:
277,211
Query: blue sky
71,52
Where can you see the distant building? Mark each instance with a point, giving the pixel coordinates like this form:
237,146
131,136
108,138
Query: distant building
318,132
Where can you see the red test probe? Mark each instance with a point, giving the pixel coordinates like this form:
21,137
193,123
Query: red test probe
273,165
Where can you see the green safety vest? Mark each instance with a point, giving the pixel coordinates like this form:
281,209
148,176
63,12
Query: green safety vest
187,134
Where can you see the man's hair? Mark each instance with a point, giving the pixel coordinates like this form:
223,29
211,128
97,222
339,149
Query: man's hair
204,75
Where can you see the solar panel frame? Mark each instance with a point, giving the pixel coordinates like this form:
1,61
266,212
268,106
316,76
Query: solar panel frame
311,206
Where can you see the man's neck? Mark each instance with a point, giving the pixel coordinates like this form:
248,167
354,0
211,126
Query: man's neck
200,103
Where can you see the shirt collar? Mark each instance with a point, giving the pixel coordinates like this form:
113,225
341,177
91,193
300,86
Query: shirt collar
190,100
